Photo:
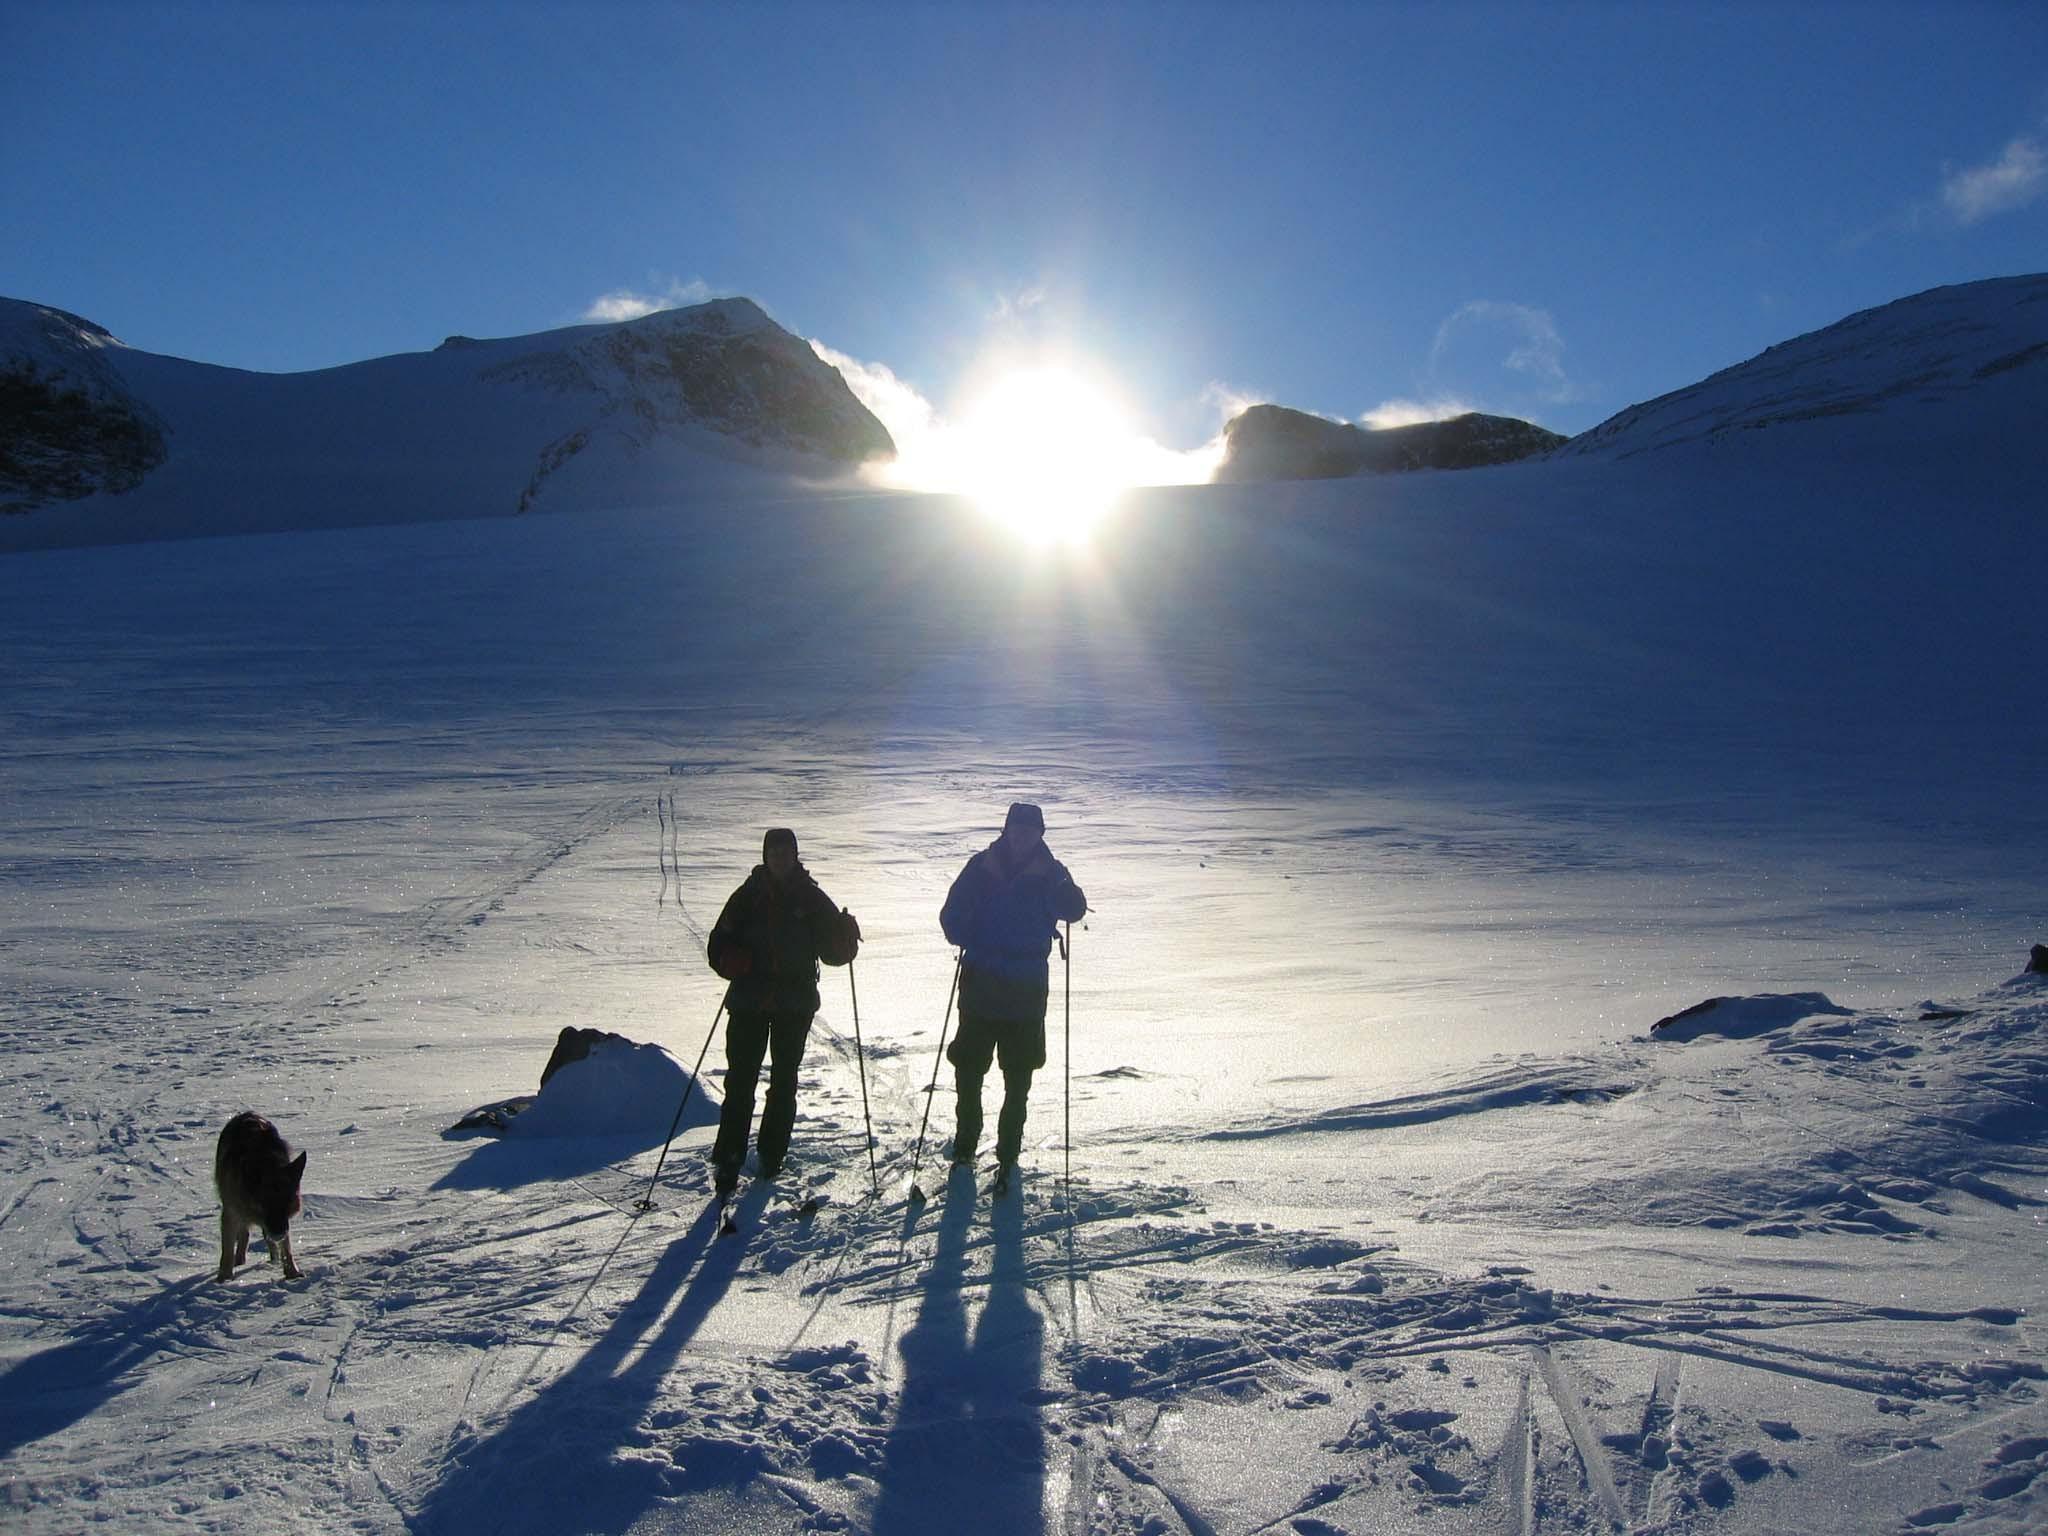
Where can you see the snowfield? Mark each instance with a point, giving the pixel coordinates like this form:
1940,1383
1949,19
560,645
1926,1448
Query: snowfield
1406,808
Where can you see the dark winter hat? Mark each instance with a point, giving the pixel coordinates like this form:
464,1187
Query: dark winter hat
1024,814
775,835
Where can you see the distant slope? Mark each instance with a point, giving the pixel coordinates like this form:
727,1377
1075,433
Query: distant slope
102,442
1272,442
1974,348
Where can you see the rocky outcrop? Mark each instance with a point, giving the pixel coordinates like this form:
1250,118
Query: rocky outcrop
1271,442
68,426
574,1043
727,366
724,366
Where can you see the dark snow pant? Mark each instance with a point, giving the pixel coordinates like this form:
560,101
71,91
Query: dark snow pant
748,1037
1020,1044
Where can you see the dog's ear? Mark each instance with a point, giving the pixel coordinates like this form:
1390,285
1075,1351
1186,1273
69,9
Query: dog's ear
298,1169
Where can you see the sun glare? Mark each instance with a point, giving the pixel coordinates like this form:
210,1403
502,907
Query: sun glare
1045,449
1045,452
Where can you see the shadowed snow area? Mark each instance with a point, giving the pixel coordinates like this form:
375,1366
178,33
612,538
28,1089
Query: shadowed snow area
1405,810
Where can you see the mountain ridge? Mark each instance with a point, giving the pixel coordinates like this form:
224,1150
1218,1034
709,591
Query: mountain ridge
631,409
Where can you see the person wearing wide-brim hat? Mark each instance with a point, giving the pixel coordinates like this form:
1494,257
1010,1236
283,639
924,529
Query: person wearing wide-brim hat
767,943
1004,911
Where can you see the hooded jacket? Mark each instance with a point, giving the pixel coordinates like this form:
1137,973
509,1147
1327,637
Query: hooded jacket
1004,921
769,939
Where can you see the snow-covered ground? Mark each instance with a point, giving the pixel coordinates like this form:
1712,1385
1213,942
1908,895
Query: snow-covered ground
1405,808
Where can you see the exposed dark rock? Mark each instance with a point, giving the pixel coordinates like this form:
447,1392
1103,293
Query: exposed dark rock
729,367
2037,963
573,1044
1271,442
68,428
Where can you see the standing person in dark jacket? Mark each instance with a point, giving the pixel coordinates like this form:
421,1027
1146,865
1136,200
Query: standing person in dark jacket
1003,912
767,943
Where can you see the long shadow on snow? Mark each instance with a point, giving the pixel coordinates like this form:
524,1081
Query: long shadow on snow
556,1465
512,1163
967,1435
52,1390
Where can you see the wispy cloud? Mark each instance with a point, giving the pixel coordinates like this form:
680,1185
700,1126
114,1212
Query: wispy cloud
631,304
1014,306
2013,180
1407,413
1228,401
1487,334
910,418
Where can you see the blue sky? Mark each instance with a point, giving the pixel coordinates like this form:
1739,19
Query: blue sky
1551,212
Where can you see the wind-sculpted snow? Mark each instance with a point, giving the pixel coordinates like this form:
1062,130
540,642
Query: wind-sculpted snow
1737,1018
1118,1358
1513,1088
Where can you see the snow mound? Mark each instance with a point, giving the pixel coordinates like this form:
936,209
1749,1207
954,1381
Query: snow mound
1743,1018
614,1092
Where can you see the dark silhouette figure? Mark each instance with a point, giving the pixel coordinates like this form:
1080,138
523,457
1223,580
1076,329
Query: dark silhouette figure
1004,911
767,944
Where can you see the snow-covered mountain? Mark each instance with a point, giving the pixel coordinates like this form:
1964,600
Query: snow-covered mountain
1272,442
1975,353
103,442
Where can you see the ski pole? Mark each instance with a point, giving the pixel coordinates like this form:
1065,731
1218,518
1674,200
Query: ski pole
917,1196
646,1202
860,1059
1067,969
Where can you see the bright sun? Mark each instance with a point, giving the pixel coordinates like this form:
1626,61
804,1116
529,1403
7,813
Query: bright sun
1046,452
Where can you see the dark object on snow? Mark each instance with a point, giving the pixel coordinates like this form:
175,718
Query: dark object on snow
573,1044
1744,1018
491,1119
258,1181
2037,963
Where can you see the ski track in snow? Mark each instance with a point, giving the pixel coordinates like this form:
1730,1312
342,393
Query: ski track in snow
1088,1356
1086,1360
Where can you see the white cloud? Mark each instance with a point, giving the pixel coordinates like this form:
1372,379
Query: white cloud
628,304
896,405
2011,181
1407,413
1229,402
